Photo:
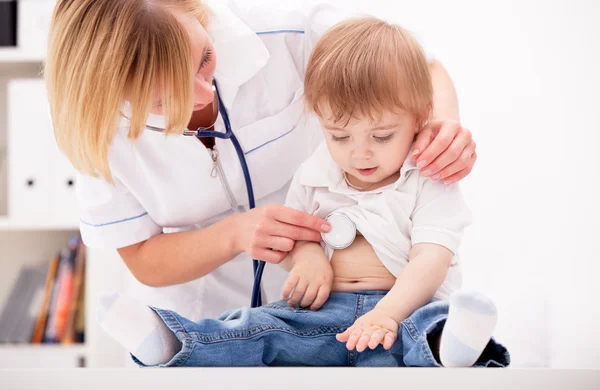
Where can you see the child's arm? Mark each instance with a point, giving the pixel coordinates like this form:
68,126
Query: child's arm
418,282
311,276
414,287
301,251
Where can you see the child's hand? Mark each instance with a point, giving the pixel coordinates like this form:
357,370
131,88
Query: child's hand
371,329
309,283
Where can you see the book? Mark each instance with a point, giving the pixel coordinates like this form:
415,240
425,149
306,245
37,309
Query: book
31,303
66,292
19,315
61,296
80,317
9,314
70,334
42,318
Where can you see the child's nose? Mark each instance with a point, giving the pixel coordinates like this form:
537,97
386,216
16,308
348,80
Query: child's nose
362,152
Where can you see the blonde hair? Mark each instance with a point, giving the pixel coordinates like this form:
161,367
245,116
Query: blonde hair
103,51
365,66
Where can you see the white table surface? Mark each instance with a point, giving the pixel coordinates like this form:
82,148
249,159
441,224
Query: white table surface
300,378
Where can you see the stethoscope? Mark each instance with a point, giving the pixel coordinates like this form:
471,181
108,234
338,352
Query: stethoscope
203,132
342,233
343,230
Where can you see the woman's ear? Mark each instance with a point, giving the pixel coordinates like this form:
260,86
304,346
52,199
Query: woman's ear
420,125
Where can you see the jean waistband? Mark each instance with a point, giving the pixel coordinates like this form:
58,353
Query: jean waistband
364,292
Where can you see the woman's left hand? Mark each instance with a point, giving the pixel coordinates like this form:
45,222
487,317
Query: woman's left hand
444,150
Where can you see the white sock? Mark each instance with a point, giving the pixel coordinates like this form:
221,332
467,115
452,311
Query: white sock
468,329
137,328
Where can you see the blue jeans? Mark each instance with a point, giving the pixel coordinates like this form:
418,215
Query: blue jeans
279,335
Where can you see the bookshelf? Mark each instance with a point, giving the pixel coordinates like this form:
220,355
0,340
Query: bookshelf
26,242
14,224
32,248
17,56
32,240
43,356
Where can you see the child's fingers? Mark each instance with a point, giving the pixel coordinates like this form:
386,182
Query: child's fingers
376,338
354,337
289,285
343,337
298,293
309,295
363,341
389,340
321,298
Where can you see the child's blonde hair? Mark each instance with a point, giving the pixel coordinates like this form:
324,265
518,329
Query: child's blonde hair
103,51
365,66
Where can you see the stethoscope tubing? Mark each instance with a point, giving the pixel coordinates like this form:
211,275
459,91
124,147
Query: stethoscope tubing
257,265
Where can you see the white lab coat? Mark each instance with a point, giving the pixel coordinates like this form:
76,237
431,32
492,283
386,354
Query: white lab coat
164,183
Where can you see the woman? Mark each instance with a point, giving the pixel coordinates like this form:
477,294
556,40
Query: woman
118,71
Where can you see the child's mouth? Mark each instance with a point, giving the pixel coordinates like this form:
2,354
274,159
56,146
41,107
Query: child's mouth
367,172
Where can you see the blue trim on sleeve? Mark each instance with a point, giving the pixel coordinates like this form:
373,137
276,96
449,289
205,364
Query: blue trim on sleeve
268,142
279,31
113,222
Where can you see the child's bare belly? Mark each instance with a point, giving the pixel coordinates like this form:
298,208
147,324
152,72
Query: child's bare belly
358,268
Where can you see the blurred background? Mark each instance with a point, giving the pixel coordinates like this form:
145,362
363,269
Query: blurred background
526,74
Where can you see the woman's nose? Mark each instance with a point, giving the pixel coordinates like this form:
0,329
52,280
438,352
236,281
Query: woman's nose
203,92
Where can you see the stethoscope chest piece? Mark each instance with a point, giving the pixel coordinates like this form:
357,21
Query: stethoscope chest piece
342,233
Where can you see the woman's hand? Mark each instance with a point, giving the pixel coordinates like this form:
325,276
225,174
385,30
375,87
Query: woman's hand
444,150
269,232
310,281
371,329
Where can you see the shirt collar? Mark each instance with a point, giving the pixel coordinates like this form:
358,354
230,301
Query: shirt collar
239,51
321,171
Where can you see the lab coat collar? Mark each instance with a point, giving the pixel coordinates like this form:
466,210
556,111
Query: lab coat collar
240,54
321,171
239,51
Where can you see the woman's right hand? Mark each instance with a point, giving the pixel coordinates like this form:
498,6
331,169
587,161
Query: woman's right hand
269,232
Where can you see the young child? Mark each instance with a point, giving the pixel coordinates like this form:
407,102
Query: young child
390,298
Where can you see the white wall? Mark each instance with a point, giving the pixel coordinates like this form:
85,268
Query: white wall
528,84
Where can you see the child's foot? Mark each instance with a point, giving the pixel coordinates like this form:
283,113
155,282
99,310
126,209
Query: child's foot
137,328
468,329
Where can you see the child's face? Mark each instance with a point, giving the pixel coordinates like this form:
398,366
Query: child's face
369,152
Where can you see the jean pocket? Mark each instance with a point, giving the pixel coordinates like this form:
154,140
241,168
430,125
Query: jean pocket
283,306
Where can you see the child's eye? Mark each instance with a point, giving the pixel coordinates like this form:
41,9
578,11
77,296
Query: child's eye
339,139
384,139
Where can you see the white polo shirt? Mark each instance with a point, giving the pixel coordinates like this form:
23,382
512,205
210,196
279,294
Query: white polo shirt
393,218
163,183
